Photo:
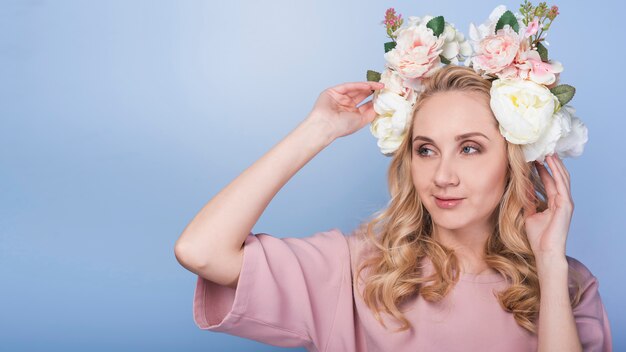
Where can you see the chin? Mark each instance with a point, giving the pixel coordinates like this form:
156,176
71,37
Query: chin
450,222
449,219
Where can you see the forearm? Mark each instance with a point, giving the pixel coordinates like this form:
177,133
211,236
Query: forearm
557,328
225,221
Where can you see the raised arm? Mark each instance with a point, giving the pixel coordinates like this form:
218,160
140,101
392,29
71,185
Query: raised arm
211,244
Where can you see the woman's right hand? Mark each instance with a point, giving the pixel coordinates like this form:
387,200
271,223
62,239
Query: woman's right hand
337,108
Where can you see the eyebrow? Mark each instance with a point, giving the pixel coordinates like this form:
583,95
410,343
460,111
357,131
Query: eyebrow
459,137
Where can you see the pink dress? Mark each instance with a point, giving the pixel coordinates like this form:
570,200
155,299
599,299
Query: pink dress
298,292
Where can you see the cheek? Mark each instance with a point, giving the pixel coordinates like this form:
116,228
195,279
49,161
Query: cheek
421,179
492,182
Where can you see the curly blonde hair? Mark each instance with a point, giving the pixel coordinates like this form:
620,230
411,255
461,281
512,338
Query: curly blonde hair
402,232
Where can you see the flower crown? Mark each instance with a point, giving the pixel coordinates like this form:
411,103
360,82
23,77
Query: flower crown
507,49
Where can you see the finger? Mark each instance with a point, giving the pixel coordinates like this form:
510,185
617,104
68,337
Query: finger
359,96
356,96
352,88
548,181
558,177
563,170
367,111
559,163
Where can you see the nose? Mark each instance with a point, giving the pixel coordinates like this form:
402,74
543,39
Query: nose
445,174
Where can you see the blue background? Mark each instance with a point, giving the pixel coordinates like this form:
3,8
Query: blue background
121,119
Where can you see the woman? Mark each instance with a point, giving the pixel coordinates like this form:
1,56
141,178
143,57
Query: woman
464,257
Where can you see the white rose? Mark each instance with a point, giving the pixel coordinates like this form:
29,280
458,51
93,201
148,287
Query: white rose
565,136
390,124
388,142
559,125
523,109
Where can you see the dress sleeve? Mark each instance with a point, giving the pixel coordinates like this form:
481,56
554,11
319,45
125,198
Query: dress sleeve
287,292
590,314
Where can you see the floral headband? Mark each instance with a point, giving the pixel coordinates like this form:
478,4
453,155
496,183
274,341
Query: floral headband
508,49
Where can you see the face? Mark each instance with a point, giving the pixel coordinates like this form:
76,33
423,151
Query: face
446,164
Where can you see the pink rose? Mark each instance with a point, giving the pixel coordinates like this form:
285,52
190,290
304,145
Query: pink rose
397,84
416,53
531,67
532,28
495,52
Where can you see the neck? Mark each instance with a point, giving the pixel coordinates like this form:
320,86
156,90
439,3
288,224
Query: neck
468,245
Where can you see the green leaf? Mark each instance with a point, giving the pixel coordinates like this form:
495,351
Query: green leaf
563,92
389,46
437,24
508,18
543,52
444,60
373,76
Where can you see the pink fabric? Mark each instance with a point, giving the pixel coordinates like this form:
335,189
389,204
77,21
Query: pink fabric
298,292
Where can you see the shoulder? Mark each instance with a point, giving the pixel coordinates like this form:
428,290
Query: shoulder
361,246
590,314
577,268
581,280
322,238
330,244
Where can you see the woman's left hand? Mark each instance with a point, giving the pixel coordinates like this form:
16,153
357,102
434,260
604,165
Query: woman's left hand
547,231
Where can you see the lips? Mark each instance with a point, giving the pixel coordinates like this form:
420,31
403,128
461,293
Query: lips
447,198
448,203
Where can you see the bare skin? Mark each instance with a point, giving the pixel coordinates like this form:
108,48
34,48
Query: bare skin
211,244
473,168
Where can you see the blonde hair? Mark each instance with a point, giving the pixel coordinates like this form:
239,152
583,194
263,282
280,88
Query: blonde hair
402,232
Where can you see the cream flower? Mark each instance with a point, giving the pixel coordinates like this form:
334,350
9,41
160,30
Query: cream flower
559,124
523,109
566,135
390,125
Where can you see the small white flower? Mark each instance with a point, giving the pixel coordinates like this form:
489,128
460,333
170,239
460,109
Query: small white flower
455,48
572,144
476,34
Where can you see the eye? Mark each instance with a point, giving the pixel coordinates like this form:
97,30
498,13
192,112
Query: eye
421,149
472,147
